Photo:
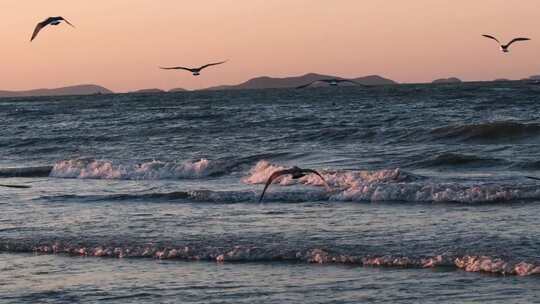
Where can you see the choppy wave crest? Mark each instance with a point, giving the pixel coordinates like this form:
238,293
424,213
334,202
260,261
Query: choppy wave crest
470,263
392,185
397,185
153,170
490,132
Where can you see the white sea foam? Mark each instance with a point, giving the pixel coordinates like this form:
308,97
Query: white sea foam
102,169
486,264
396,185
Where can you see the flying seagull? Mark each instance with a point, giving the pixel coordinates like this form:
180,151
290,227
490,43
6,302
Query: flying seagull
296,174
332,82
504,47
48,21
195,71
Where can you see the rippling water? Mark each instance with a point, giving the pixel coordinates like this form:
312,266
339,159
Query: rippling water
429,182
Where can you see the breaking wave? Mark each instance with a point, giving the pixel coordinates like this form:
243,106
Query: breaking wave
243,253
153,170
490,132
397,185
392,185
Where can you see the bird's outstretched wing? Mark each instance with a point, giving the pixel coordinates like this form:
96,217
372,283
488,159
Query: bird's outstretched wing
176,68
16,186
532,177
271,179
307,85
516,40
319,175
38,28
62,18
491,37
211,64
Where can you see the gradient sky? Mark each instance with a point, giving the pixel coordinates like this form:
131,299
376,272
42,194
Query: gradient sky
120,43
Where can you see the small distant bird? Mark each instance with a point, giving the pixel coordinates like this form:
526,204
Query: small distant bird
332,82
195,71
504,47
16,186
48,21
532,177
296,174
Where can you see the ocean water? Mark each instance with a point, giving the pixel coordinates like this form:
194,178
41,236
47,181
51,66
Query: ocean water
154,198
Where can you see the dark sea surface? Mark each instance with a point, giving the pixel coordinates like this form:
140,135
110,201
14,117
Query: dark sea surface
154,197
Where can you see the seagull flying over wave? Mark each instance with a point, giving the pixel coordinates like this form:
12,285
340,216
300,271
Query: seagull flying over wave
296,174
46,22
504,47
332,82
194,71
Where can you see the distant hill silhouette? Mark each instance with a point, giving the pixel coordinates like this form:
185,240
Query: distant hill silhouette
447,80
177,90
87,89
148,91
295,81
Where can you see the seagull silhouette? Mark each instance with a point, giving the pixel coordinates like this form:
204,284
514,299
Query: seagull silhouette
48,21
296,174
194,71
504,47
332,82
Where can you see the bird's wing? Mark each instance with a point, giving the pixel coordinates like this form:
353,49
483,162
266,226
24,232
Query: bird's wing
62,18
516,40
307,85
38,28
491,37
271,179
314,172
16,186
211,64
176,68
532,177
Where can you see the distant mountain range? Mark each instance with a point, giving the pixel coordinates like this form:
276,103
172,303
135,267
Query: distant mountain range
88,89
148,91
177,90
295,81
254,83
447,80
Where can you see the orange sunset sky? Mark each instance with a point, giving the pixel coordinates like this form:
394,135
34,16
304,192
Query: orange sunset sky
120,43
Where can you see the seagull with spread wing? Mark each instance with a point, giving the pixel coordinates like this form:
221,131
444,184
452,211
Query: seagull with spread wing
504,47
194,71
331,82
296,174
46,22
